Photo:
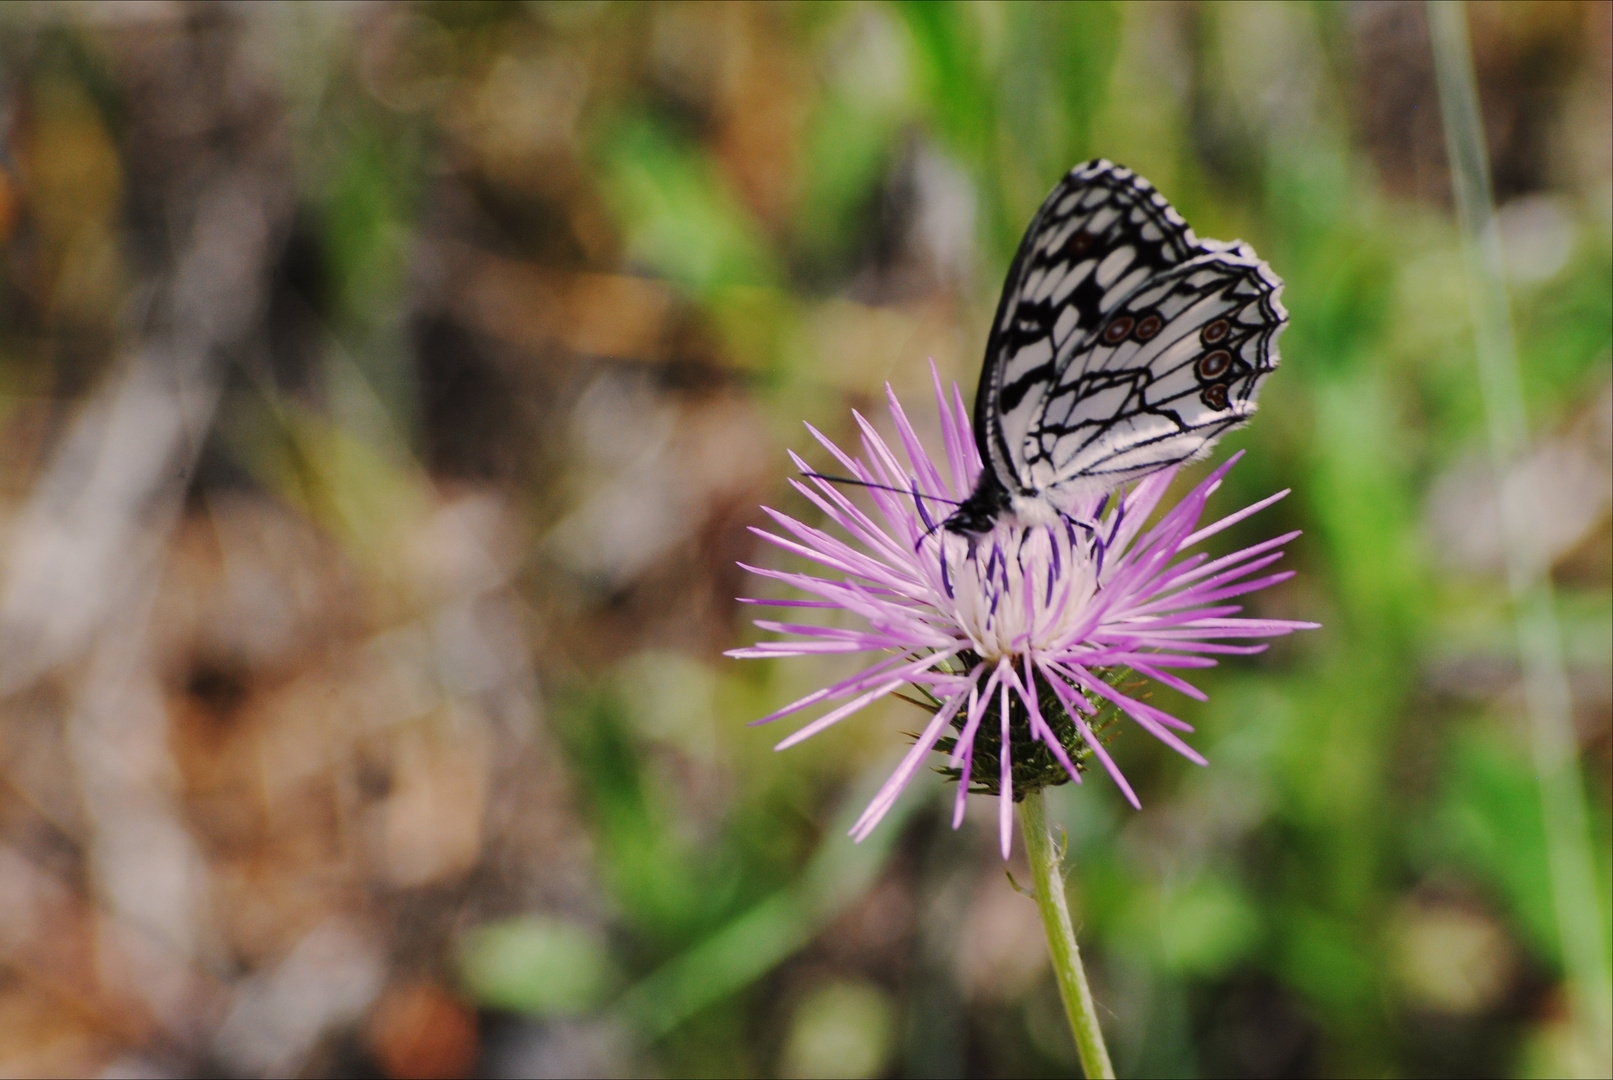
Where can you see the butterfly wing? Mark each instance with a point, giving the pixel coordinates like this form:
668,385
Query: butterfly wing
1123,344
1103,230
1172,366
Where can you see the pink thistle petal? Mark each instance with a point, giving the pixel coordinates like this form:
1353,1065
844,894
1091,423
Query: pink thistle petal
922,465
1145,715
959,748
962,478
1241,588
829,547
828,719
830,693
889,471
1202,568
1169,680
1224,628
785,603
1148,621
851,464
1039,726
842,594
1233,518
1062,690
1216,647
874,574
888,793
1211,579
977,709
1135,506
1182,515
856,469
844,513
971,452
796,648
1205,592
1005,785
963,752
1164,660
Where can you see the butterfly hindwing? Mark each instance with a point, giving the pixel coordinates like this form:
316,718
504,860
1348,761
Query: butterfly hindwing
1174,365
1122,343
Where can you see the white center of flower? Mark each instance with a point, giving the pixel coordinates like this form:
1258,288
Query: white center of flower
1021,589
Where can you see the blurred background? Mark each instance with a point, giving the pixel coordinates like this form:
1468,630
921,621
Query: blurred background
385,394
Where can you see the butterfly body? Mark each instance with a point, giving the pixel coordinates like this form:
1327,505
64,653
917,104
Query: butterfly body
1122,345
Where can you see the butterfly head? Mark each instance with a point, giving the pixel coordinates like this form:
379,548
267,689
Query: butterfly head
979,513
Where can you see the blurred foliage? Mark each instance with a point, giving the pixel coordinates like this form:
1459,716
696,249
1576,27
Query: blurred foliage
546,291
541,967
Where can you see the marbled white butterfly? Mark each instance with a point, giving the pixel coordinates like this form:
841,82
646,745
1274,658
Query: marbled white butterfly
1123,344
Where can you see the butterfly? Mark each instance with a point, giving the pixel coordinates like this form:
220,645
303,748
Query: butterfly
1123,344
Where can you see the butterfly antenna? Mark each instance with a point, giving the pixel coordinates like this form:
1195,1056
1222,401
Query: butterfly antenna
911,492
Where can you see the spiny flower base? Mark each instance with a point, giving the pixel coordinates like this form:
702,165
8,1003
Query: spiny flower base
1032,763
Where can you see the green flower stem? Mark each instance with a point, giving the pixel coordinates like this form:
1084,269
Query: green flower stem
1049,878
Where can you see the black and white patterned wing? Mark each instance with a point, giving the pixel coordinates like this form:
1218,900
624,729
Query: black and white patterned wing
1101,233
1173,365
1123,344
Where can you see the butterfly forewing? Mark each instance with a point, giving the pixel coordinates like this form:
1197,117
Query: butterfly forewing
1123,344
1100,229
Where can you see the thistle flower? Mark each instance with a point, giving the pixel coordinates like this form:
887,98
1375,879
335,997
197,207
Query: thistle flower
1022,643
